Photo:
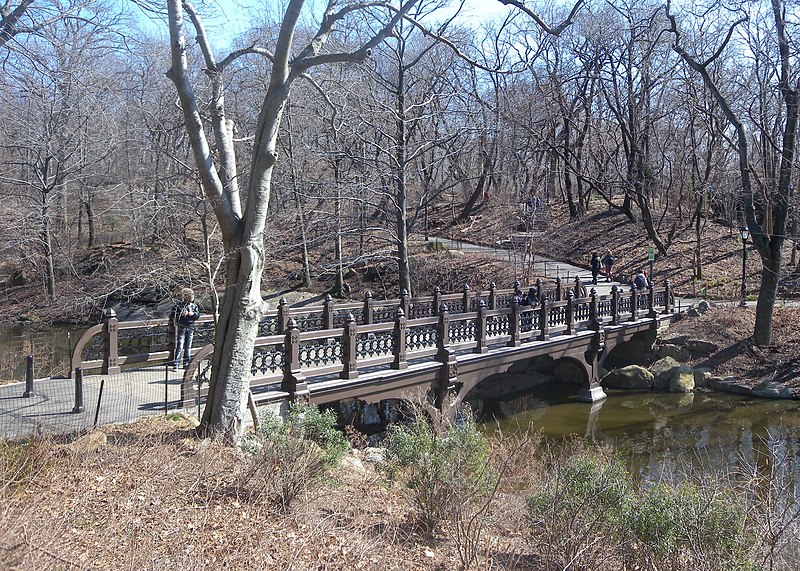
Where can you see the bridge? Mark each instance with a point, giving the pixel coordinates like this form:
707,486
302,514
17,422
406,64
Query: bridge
442,344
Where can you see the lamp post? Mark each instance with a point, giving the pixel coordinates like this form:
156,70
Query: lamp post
745,233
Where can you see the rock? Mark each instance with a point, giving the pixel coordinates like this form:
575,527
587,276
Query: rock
663,372
683,382
347,409
772,390
630,377
728,385
701,346
677,339
703,306
353,463
370,415
680,354
374,455
87,443
693,312
701,377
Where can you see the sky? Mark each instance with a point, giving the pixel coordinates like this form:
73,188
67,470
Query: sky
231,18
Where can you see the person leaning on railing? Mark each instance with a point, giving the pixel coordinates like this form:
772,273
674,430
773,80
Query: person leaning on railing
184,315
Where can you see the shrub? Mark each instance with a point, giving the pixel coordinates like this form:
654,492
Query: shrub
288,456
575,517
696,526
21,463
438,470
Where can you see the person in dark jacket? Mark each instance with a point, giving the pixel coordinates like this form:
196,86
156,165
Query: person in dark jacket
184,315
608,262
640,280
596,263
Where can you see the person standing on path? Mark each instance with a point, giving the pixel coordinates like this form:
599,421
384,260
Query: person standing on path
595,267
608,263
184,315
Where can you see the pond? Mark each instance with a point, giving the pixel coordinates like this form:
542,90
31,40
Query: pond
50,347
662,434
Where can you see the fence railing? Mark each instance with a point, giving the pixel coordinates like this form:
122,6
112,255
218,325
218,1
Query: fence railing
113,344
286,362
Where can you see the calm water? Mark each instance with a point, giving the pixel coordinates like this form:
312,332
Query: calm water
666,433
50,348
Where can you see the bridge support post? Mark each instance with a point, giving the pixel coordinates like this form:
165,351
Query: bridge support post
327,312
466,299
448,371
368,309
570,318
110,343
493,296
480,329
283,315
578,287
667,297
594,392
349,356
651,303
437,301
544,318
634,304
513,325
399,338
405,302
594,319
614,305
293,382
559,290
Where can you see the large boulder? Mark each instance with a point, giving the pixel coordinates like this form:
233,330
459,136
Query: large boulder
683,382
663,371
676,352
701,346
773,390
630,377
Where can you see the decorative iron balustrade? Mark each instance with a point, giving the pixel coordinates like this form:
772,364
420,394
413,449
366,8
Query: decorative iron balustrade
319,352
373,345
268,360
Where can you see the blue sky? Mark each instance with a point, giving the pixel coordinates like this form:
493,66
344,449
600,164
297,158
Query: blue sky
229,18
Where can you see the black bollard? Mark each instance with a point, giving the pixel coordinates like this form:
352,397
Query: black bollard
29,392
79,391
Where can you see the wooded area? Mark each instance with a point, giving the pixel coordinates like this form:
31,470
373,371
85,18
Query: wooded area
330,133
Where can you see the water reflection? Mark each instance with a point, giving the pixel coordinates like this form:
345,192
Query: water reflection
666,434
50,348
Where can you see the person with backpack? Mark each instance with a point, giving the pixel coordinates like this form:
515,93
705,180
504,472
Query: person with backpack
608,263
596,263
640,280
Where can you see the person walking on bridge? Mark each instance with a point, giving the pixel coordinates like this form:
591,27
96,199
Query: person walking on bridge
184,315
596,263
608,262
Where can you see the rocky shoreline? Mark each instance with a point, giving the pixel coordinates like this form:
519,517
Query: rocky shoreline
668,371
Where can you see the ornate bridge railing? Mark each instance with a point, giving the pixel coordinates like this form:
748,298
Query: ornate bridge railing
290,361
112,344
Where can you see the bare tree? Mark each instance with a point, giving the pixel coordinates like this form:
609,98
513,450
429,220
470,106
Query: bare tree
768,230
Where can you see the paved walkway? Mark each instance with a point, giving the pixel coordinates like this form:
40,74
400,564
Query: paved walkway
123,397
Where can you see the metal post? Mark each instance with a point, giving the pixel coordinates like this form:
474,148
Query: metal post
480,329
166,389
743,302
99,400
79,392
29,392
327,312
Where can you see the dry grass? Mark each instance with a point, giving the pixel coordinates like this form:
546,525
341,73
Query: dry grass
155,498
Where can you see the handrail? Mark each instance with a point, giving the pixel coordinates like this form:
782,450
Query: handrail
313,354
103,344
